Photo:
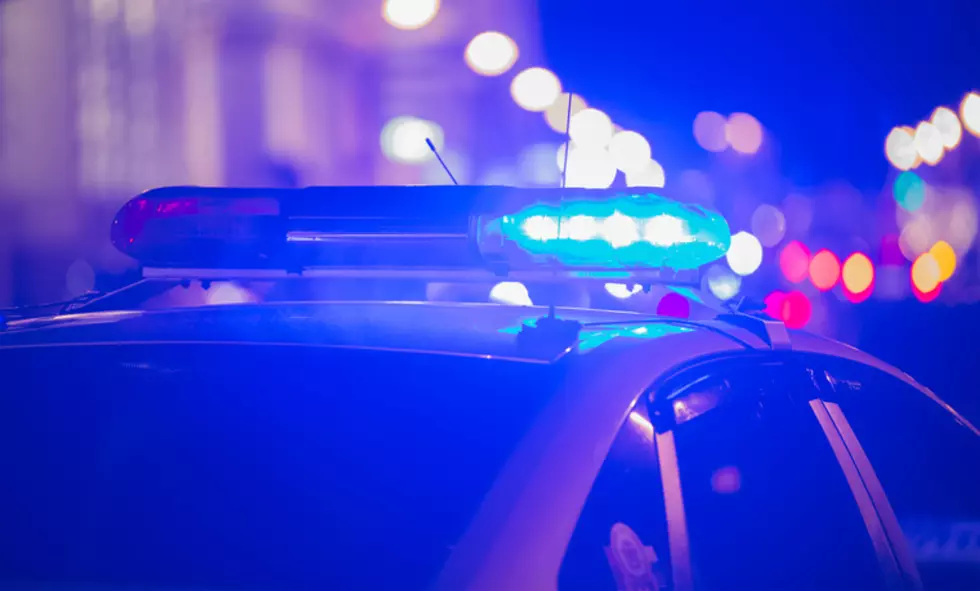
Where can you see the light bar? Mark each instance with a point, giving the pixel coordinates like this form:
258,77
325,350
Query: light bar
356,230
625,231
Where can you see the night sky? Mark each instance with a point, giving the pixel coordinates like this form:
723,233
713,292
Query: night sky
829,79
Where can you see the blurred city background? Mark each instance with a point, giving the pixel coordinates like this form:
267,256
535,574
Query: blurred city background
841,141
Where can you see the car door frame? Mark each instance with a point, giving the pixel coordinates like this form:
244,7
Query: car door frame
894,555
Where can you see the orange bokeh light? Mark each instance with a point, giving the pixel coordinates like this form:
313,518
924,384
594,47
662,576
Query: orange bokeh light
925,273
858,273
824,270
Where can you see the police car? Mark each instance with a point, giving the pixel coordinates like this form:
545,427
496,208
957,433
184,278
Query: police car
330,438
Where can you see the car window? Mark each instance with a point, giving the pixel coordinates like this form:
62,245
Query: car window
620,540
767,503
928,463
232,467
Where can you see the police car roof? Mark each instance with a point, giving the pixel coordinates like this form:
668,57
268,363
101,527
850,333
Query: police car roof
430,327
426,327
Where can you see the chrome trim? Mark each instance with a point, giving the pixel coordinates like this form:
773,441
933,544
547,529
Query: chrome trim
305,236
899,543
876,530
677,535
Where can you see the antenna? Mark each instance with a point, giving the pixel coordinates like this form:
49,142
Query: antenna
568,139
442,162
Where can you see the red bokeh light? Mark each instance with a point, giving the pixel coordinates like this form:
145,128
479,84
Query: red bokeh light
796,310
824,270
674,305
857,298
774,304
794,261
926,297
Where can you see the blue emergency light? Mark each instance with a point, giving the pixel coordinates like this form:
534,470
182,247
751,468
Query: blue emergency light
451,229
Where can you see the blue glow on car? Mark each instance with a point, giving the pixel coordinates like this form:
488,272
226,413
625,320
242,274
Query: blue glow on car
593,337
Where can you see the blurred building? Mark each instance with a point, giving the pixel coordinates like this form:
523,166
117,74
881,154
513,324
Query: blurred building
101,99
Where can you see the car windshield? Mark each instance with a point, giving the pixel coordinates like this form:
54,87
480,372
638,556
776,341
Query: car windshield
249,467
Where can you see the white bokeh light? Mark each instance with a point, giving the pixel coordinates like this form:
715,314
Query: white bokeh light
900,148
587,169
745,254
403,139
621,291
491,53
409,14
949,126
929,143
722,283
557,114
651,175
630,151
511,293
591,128
970,113
535,89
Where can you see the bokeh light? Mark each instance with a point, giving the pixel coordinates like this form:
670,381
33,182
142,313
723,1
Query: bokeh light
651,175
963,223
909,191
824,270
630,151
403,139
925,273
587,168
674,305
945,257
709,131
726,480
591,129
794,262
858,273
900,148
768,224
796,310
929,143
512,293
557,114
916,237
722,283
927,296
535,89
491,53
744,254
744,133
409,14
774,304
621,291
970,113
948,125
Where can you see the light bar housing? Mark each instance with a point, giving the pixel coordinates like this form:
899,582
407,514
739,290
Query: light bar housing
450,229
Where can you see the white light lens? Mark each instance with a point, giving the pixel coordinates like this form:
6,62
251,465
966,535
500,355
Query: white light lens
745,254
